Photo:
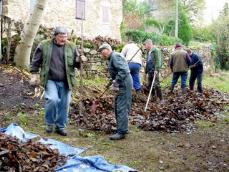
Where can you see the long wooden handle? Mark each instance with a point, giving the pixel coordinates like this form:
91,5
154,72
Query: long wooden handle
151,88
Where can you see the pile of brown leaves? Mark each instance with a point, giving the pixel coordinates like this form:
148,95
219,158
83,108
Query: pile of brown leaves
178,112
102,119
100,40
27,156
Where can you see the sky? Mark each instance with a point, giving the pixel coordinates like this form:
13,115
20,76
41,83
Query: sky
212,9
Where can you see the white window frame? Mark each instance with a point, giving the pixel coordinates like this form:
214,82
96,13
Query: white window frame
105,16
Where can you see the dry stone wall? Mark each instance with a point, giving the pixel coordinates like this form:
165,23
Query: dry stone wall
94,65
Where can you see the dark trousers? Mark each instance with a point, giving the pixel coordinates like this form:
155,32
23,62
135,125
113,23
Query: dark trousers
193,77
123,105
176,76
156,87
134,71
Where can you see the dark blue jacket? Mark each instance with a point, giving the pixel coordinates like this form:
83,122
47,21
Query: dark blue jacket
195,59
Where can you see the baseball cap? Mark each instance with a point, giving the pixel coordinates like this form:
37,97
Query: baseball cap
61,30
104,46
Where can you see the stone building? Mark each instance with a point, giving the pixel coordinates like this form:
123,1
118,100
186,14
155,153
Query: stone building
102,17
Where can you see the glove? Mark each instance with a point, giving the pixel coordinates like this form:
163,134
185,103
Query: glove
115,85
192,66
109,84
156,72
34,80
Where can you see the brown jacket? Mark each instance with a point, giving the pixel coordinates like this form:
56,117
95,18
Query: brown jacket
179,61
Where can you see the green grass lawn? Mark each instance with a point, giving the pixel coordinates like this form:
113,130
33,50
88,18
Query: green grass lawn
219,81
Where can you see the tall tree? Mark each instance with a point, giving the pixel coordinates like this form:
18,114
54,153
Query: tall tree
185,29
134,13
23,50
194,9
220,28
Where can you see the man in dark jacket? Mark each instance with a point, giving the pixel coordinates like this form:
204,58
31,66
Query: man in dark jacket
122,82
196,71
179,63
56,59
153,65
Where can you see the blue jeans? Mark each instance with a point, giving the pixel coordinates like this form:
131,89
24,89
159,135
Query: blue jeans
134,71
57,100
176,76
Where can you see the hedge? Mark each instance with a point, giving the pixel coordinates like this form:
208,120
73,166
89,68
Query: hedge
140,36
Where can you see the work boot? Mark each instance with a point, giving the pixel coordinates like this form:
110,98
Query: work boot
183,90
172,89
138,91
159,94
61,132
200,90
117,136
48,129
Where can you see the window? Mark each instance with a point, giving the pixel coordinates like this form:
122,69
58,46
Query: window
105,12
80,9
0,7
32,3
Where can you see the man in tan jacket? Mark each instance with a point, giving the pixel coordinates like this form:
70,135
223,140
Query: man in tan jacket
179,64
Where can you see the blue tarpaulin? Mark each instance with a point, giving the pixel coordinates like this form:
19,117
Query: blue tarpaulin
75,163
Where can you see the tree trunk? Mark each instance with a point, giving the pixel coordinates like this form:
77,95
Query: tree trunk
177,18
9,22
23,50
1,38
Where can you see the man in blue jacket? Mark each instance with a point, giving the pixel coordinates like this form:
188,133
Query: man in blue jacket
122,82
196,71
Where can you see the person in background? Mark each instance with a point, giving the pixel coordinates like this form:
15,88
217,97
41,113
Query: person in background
153,66
56,60
179,63
122,82
196,68
133,55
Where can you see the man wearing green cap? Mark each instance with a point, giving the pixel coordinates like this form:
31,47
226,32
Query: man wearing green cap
56,60
122,82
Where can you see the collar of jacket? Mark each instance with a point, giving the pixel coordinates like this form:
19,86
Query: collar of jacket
110,55
151,50
178,48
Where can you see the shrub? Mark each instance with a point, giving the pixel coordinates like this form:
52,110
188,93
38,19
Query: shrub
140,36
203,34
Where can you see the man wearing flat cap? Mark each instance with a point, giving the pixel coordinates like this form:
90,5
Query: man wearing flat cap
122,82
179,63
56,60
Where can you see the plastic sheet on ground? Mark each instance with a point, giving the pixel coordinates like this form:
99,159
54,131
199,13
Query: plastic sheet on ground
75,163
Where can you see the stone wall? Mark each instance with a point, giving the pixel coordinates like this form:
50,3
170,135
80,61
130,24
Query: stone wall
94,65
103,17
